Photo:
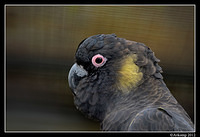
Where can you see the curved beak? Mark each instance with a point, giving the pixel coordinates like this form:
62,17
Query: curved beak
76,73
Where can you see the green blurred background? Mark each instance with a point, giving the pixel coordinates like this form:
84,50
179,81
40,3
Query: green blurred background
41,42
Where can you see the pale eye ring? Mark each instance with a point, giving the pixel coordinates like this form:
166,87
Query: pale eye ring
98,60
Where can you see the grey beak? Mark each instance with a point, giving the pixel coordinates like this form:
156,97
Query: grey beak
76,73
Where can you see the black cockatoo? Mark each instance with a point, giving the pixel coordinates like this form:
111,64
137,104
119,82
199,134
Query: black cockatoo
119,83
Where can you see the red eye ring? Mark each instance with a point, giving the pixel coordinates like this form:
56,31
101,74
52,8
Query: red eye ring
98,60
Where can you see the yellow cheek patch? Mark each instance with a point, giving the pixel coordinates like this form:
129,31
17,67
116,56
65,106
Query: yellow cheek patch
129,75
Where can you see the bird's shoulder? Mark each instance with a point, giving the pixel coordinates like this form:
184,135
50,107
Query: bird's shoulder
158,119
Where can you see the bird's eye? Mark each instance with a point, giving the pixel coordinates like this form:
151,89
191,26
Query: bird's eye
98,60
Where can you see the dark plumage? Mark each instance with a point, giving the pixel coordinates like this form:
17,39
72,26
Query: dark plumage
119,83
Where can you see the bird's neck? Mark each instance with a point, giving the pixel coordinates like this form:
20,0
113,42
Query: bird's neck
146,93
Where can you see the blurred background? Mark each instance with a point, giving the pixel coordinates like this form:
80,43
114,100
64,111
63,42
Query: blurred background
41,42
